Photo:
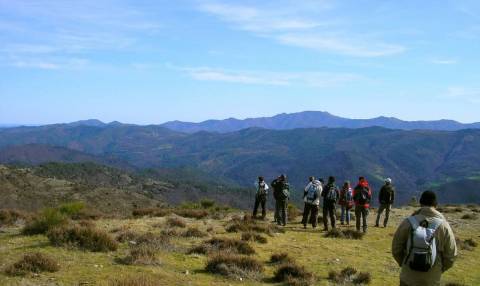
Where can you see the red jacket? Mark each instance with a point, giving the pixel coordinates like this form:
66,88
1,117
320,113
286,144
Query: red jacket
358,188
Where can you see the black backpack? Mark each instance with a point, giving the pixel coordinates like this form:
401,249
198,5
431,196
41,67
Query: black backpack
362,195
331,193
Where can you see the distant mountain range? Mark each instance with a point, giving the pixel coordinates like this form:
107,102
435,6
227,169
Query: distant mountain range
314,119
416,160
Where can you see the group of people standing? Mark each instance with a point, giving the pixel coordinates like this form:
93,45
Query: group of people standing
330,195
423,245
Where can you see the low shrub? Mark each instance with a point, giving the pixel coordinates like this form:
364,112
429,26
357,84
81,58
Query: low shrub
234,266
467,244
171,232
207,204
134,281
194,232
153,212
293,274
191,213
71,209
32,262
247,224
224,244
282,257
350,275
249,236
46,220
344,234
11,217
126,235
142,254
87,238
470,216
176,222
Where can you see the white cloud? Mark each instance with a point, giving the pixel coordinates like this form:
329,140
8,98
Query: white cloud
444,61
50,64
312,79
469,94
294,25
341,45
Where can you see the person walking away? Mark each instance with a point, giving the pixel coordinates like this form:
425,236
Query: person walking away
330,196
281,193
261,197
362,194
311,197
385,198
346,202
424,245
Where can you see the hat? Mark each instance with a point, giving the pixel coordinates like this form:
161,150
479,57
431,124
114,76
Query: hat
388,180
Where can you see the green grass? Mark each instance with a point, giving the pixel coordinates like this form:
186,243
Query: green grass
318,254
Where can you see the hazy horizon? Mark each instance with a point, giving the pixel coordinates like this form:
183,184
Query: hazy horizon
192,60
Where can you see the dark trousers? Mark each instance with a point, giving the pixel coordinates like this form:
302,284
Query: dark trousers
386,208
361,214
329,211
260,201
281,209
312,212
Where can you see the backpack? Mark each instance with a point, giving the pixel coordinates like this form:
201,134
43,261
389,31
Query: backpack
362,197
421,245
312,193
349,198
285,192
331,194
261,189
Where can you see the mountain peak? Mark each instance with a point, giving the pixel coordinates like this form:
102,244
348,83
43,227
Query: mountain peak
87,122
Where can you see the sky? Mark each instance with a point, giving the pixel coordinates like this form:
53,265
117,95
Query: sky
148,62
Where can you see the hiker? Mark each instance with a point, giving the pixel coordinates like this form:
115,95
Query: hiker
362,194
330,196
385,198
346,202
281,193
311,197
261,197
424,245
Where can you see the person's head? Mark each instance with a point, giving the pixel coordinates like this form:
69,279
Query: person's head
361,179
283,177
428,199
261,179
346,184
331,179
388,181
311,179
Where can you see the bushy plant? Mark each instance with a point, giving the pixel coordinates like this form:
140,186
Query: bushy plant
293,274
71,209
87,238
235,266
33,263
46,220
224,244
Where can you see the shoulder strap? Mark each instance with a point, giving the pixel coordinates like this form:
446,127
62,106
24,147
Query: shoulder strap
413,222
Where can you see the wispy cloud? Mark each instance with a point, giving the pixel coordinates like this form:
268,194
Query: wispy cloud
469,94
444,61
294,25
312,79
71,29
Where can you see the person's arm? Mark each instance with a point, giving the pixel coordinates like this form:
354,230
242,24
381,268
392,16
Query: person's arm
449,251
399,242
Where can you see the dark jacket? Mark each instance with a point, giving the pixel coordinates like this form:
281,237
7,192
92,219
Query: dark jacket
387,194
326,190
278,187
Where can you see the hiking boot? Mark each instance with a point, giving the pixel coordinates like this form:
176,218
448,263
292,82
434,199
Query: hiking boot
305,226
325,229
376,225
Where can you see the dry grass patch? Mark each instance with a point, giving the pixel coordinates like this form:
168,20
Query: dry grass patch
194,232
467,244
234,266
134,281
470,216
176,222
350,275
152,212
43,222
223,244
143,254
247,224
191,213
291,273
344,234
250,236
87,238
32,263
278,258
11,217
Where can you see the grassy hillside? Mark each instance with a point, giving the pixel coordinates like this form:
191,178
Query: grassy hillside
173,265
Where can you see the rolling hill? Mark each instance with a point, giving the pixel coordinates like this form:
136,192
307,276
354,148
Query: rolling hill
416,160
313,119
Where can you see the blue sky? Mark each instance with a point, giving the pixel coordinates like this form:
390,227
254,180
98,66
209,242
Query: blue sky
153,61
